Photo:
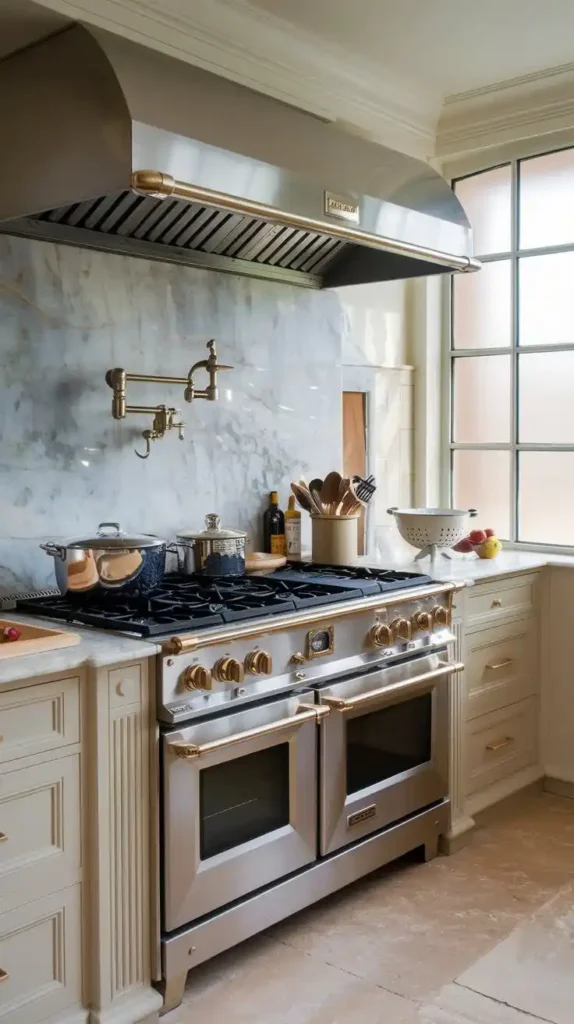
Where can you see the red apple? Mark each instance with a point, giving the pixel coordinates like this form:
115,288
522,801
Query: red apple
477,536
490,533
464,546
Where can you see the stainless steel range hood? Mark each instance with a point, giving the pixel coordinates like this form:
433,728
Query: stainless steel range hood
111,146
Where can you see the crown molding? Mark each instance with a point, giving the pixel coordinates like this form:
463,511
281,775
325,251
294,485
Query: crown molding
266,53
521,108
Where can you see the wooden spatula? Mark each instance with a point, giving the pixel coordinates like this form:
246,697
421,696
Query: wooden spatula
315,488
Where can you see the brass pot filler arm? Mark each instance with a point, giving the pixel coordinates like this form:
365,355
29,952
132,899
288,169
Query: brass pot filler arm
163,415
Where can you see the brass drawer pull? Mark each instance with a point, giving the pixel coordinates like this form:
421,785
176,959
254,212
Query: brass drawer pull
495,665
3,837
497,603
4,975
500,744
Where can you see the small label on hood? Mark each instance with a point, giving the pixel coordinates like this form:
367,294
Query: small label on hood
341,207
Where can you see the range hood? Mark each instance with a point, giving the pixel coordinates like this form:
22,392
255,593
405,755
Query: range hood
111,146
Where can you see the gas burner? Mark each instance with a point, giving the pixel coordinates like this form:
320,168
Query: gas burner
366,579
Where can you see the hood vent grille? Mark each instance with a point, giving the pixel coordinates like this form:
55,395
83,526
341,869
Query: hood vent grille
181,228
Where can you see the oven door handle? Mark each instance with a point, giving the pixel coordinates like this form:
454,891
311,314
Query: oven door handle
304,713
343,704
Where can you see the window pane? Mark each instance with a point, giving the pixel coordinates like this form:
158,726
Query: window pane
547,200
482,481
486,200
482,400
546,497
546,409
482,307
546,314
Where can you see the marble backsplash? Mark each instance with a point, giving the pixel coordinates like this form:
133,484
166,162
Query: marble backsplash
67,315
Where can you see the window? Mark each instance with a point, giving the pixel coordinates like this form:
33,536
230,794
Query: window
512,352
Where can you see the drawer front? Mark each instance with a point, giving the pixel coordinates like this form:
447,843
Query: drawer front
40,827
40,958
501,667
488,602
501,743
34,719
125,685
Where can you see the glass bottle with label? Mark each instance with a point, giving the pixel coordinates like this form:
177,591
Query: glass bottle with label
293,530
274,527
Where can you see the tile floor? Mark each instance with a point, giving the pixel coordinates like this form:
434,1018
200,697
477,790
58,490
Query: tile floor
485,936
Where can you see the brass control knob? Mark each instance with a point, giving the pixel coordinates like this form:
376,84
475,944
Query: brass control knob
196,677
259,663
423,621
401,629
381,636
228,670
441,616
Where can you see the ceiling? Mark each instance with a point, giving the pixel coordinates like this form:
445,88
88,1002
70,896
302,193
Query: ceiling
448,45
23,22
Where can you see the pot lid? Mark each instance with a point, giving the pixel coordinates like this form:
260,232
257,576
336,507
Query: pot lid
109,535
213,531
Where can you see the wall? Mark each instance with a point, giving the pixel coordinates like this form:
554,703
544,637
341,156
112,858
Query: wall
67,315
375,354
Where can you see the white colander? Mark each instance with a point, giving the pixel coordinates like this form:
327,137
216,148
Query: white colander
432,528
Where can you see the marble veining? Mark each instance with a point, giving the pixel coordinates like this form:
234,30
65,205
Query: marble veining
67,315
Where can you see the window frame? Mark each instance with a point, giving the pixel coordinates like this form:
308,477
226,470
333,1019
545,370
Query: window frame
514,446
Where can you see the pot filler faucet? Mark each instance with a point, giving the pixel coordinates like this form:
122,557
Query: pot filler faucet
164,416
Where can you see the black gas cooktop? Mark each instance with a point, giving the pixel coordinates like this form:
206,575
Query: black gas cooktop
197,602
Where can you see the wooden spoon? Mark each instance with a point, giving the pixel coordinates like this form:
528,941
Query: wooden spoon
315,488
343,491
303,497
330,491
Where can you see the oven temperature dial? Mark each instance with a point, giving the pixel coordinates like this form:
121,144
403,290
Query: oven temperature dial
441,616
401,630
423,621
381,636
259,663
196,677
228,670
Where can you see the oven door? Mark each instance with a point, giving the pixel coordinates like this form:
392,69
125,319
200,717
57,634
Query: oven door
384,747
239,806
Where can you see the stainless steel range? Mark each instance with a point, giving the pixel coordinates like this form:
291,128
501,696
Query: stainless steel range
303,742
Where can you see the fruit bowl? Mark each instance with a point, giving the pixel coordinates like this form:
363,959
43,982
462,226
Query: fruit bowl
432,529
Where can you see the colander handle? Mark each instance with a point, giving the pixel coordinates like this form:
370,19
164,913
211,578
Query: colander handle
472,512
392,510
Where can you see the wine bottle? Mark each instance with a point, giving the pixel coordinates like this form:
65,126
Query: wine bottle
274,527
293,530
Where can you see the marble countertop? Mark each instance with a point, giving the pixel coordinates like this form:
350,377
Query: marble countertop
95,649
470,569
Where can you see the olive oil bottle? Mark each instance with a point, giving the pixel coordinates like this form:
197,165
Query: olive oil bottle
274,527
293,530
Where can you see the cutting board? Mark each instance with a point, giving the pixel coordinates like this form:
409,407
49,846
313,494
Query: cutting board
35,639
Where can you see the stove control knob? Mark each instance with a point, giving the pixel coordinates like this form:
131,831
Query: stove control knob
381,636
423,621
196,677
401,630
441,616
228,670
259,663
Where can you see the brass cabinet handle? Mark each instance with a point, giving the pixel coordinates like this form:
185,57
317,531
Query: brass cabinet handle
4,975
499,744
3,837
376,696
305,713
497,603
495,665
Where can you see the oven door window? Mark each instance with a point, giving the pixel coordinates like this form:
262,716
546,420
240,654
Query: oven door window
389,741
242,799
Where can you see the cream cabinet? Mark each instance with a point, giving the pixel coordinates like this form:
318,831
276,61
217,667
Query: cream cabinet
75,836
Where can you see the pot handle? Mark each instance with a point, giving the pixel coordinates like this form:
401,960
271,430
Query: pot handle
392,510
473,512
56,550
101,531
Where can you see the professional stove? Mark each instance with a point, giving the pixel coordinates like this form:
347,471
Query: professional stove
303,739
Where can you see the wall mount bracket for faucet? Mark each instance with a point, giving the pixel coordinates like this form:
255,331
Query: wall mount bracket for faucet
163,415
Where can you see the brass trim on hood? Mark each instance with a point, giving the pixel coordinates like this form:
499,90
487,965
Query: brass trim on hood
160,186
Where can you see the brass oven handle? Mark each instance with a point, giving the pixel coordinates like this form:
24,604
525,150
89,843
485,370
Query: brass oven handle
305,713
499,744
494,665
342,704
